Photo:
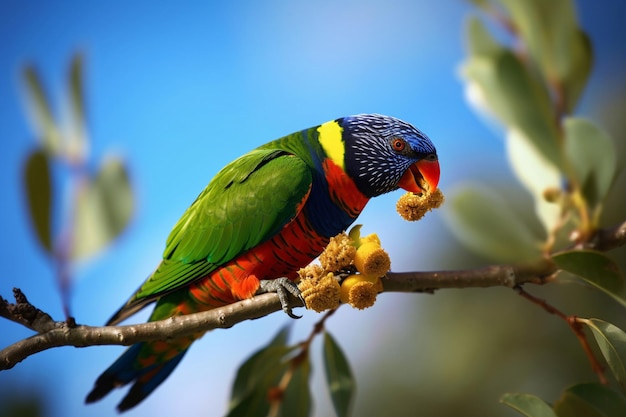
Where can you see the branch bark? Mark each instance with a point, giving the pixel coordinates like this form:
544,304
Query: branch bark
52,333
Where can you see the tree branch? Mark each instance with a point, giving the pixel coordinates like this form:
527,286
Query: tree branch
62,334
488,276
66,333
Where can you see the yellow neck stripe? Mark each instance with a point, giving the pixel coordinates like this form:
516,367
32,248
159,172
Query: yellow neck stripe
332,142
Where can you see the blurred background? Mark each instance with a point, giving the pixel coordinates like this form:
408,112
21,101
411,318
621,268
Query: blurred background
180,89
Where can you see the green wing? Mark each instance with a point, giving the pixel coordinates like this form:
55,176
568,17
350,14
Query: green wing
247,203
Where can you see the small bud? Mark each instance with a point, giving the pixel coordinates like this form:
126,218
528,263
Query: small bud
552,194
413,207
338,254
311,271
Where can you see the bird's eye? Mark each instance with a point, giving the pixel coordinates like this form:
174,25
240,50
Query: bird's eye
398,144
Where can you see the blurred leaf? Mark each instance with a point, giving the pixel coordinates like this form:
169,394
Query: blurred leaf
41,112
536,173
590,400
485,223
594,268
518,99
528,405
551,34
76,88
339,376
247,372
592,156
612,343
575,77
253,405
22,403
77,139
480,3
39,194
257,375
297,397
480,41
546,28
104,207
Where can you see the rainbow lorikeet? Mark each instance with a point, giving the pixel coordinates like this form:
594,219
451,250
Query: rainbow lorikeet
264,216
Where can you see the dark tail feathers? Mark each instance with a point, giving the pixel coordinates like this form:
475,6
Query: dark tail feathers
124,370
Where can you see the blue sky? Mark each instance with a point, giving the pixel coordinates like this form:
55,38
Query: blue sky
180,89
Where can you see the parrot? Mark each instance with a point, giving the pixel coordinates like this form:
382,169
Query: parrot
261,218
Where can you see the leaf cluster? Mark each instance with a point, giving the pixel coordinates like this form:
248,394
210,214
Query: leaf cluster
530,87
529,82
101,201
274,381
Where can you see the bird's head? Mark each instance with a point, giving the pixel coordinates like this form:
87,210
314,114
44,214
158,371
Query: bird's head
383,154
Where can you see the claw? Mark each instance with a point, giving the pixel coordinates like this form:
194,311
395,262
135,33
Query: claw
282,286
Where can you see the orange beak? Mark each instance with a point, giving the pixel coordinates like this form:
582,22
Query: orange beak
421,176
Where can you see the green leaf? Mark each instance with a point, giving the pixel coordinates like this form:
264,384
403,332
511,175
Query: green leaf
551,33
483,4
77,138
537,174
75,86
250,406
528,405
594,268
575,77
355,233
339,376
485,223
104,206
480,41
547,29
257,375
248,371
516,97
590,400
41,112
592,156
38,187
612,343
297,397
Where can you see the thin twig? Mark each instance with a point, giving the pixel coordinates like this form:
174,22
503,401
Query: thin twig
276,394
573,324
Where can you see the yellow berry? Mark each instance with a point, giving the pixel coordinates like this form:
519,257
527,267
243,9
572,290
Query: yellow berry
363,295
346,285
371,238
371,259
360,290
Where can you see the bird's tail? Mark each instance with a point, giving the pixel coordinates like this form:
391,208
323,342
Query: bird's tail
128,368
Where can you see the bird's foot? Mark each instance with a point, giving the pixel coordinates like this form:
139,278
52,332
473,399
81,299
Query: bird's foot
282,286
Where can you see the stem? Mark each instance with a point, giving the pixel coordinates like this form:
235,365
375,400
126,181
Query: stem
317,329
577,327
78,179
277,394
